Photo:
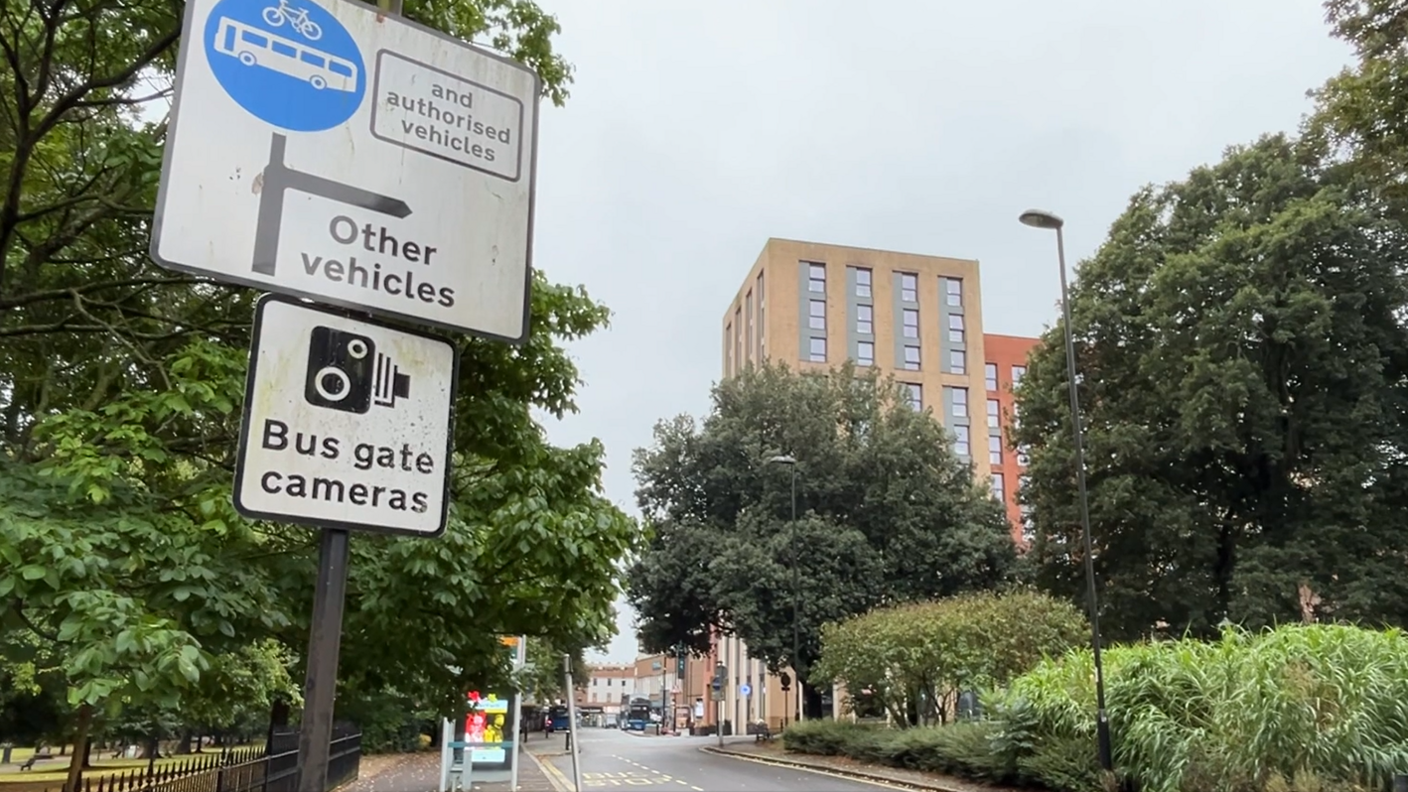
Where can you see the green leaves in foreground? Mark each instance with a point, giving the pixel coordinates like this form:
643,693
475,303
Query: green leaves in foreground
1329,701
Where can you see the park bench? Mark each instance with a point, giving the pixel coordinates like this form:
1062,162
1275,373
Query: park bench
763,734
29,763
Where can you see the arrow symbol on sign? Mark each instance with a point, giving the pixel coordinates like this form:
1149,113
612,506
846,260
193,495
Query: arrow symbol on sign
279,179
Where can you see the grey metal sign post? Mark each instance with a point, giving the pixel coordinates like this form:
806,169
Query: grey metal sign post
302,135
572,722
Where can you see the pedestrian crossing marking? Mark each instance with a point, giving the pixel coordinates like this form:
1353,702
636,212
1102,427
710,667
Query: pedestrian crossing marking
625,778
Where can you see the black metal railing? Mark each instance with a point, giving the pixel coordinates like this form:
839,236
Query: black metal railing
240,770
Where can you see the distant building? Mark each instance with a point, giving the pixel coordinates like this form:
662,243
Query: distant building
916,317
606,687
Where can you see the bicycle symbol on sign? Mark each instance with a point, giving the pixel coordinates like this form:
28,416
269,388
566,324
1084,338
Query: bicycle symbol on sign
296,17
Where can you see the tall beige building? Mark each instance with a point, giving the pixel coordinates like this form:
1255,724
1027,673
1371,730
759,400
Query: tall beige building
917,317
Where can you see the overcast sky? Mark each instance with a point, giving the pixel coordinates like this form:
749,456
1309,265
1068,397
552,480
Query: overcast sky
696,130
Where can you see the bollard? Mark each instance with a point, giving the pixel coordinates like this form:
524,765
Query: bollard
1400,782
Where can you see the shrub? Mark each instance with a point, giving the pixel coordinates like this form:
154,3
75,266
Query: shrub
932,650
1316,708
822,737
962,749
1322,701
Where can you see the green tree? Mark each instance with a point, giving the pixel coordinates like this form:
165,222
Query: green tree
886,513
1361,114
914,660
1242,361
126,574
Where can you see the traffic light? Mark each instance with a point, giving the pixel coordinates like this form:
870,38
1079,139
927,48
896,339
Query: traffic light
680,665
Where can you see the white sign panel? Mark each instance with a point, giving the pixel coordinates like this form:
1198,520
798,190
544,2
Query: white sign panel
321,150
347,423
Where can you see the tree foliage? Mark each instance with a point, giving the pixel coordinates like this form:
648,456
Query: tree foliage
126,575
1242,357
1361,114
913,660
886,513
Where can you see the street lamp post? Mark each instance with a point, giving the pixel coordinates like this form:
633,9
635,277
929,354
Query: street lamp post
796,586
1046,220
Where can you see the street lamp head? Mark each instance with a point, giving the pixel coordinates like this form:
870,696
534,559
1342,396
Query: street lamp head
782,460
1036,218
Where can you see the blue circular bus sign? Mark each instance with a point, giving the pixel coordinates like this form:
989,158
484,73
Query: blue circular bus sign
289,63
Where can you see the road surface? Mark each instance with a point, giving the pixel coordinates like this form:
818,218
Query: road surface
614,760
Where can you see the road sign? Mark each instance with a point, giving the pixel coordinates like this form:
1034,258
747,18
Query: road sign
323,150
745,689
346,422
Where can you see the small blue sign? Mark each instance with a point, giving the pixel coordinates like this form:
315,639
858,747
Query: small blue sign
288,62
745,689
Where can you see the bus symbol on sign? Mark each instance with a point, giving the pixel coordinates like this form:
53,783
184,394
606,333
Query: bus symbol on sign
256,48
261,54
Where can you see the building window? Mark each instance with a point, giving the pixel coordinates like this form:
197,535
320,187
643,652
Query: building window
911,358
865,353
818,350
728,348
863,320
738,339
1017,373
762,320
960,442
916,395
999,487
909,287
911,323
817,319
960,402
816,278
956,362
990,375
994,413
862,282
748,303
1022,456
955,328
995,449
954,291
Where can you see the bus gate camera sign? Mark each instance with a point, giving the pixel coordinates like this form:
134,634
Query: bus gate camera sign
347,423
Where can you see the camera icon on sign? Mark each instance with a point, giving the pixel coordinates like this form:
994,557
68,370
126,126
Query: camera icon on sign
345,372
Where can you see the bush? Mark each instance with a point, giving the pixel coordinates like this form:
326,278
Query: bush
822,738
1311,701
930,651
1316,708
963,749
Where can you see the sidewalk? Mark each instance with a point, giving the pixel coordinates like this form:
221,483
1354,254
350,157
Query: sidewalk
420,772
773,754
